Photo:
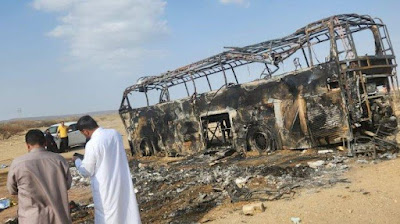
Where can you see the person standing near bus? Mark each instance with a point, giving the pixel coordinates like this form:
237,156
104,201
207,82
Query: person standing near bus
106,164
41,179
62,133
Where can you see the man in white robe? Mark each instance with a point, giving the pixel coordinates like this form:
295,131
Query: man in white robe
106,164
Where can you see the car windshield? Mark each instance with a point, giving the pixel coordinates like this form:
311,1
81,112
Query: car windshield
53,129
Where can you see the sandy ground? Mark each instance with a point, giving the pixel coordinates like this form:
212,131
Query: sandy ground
15,146
373,195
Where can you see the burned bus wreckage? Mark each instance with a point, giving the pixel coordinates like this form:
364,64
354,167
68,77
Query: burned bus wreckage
344,99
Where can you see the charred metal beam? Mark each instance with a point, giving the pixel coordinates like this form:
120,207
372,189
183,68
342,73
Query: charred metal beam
281,48
305,57
330,102
234,74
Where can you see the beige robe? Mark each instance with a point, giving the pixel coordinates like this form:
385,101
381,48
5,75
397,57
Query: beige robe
41,179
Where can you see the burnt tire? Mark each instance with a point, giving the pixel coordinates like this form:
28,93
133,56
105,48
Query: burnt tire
131,147
261,139
146,148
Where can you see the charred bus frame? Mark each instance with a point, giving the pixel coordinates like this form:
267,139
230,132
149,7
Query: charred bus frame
346,100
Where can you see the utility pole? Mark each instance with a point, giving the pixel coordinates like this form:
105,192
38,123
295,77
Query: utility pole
19,112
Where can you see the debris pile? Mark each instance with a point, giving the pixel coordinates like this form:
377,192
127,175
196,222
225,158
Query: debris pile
77,179
183,191
81,213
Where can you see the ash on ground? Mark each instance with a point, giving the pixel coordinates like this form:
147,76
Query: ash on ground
77,179
182,191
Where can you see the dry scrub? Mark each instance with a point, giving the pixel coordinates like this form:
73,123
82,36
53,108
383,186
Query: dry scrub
11,128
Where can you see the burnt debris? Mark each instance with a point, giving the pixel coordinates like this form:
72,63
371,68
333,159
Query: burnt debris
183,191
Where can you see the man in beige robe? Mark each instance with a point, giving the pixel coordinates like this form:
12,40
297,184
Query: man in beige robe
41,180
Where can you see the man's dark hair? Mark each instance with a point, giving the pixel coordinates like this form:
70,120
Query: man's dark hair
86,122
34,137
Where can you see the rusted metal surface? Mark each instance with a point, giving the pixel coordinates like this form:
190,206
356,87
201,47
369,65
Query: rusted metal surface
324,103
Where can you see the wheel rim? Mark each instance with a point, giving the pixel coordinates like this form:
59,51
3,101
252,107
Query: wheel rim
261,141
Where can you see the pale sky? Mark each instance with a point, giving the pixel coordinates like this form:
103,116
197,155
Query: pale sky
76,56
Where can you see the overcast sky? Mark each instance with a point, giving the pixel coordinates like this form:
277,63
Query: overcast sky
75,56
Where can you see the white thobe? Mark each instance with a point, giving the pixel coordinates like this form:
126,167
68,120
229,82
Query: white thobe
112,188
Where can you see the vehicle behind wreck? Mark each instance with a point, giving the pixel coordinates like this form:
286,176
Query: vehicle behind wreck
344,98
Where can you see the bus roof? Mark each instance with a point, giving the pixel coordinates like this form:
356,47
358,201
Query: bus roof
270,52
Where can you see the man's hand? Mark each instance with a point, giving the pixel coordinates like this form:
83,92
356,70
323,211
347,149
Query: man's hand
77,156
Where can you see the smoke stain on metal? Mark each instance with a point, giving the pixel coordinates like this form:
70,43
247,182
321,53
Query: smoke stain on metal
330,103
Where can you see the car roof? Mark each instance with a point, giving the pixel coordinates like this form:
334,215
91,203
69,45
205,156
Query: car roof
65,123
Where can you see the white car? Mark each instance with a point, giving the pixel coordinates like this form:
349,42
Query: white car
75,137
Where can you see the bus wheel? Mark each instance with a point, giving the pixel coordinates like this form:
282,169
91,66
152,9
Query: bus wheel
261,139
146,149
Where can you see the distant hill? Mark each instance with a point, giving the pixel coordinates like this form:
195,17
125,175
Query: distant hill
61,116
